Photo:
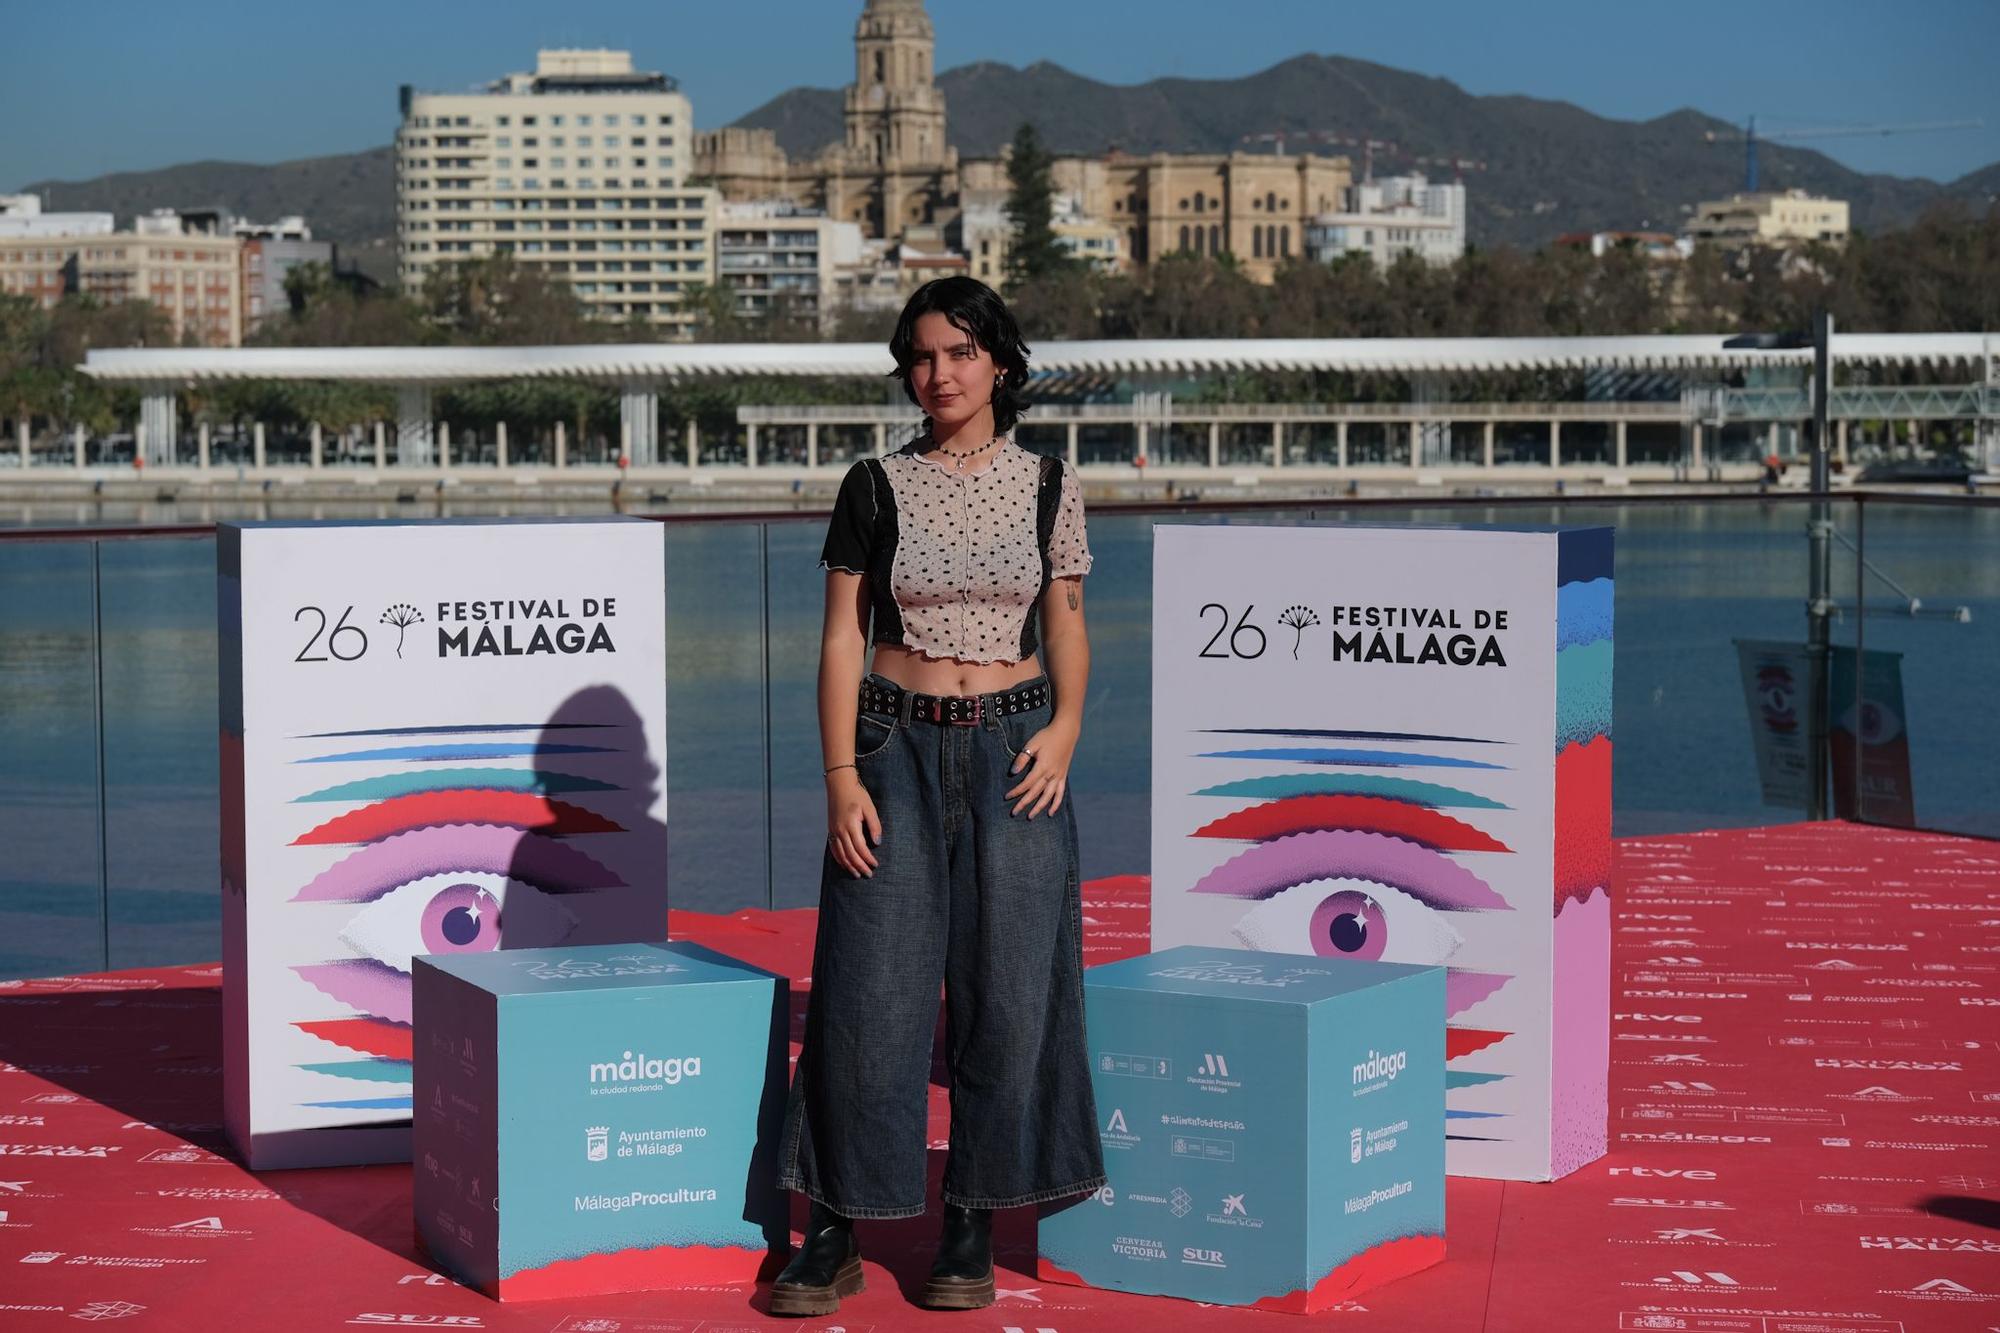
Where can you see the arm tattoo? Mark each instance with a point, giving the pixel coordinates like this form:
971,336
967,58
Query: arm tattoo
1075,593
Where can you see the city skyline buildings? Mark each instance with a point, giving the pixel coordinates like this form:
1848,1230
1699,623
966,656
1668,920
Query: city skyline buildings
1863,65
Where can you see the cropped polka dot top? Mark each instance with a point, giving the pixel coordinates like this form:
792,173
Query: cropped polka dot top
955,564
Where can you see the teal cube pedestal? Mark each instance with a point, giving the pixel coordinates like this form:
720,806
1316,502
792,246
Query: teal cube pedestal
598,1119
1273,1129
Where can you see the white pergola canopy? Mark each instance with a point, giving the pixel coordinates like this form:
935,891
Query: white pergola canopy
666,362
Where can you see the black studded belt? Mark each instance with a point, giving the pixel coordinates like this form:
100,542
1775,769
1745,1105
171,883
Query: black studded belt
961,710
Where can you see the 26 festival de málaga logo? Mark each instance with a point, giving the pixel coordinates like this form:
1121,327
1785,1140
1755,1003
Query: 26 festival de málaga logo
497,627
1402,635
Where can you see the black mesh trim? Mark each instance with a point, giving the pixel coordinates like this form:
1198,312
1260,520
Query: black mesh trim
1048,498
888,626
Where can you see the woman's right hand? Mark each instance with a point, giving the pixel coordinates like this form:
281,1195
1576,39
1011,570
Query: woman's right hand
852,826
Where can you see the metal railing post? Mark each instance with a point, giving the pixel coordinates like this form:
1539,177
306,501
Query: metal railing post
1819,598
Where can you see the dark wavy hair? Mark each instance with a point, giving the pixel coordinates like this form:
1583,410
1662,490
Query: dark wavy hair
977,311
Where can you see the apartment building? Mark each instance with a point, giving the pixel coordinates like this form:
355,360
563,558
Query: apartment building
773,257
579,168
195,280
1388,218
1777,218
270,253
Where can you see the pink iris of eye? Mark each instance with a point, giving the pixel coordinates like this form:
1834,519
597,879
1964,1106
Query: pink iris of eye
1349,925
464,918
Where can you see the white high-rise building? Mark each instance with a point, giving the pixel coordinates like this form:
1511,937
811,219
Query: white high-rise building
578,168
1388,218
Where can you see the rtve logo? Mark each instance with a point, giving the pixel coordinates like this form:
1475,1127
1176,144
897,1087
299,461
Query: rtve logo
1656,1173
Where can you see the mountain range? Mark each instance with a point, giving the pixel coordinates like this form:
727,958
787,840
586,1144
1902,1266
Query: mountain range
1533,168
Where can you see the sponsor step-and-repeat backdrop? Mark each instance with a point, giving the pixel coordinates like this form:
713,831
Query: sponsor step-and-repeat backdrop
599,1119
437,738
1394,744
1805,1121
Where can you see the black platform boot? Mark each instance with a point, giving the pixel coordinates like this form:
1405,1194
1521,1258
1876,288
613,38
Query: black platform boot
827,1267
962,1277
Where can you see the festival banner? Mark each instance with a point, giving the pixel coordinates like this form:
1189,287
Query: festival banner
1869,740
1395,744
1776,685
1868,743
437,738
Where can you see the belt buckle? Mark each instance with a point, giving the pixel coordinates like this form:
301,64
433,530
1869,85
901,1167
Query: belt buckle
948,710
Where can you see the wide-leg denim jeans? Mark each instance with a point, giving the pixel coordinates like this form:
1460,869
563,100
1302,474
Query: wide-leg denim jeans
986,902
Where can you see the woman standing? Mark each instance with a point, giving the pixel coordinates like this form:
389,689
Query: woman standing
951,850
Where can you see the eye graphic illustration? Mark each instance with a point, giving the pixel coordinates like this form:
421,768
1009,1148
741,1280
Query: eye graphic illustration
1273,785
1368,814
457,750
454,888
456,912
371,872
425,809
1351,757
1349,918
1355,865
385,785
452,850
1425,875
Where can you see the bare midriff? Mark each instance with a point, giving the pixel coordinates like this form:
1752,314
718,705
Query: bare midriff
950,675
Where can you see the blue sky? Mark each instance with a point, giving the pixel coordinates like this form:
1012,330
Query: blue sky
128,85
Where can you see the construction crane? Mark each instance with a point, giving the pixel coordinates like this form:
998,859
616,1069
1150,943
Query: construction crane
1751,138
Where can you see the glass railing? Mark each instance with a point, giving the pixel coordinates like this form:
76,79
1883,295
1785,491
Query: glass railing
108,771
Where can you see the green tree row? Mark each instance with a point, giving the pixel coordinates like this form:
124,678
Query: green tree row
1941,275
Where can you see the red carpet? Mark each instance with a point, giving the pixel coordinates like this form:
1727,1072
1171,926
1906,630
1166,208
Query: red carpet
1805,1129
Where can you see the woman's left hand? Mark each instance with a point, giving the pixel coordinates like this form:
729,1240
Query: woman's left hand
1045,761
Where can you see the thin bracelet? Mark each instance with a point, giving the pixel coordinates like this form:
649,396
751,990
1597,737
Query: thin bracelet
824,772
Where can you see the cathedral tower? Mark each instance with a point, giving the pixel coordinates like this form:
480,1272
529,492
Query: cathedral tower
895,113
